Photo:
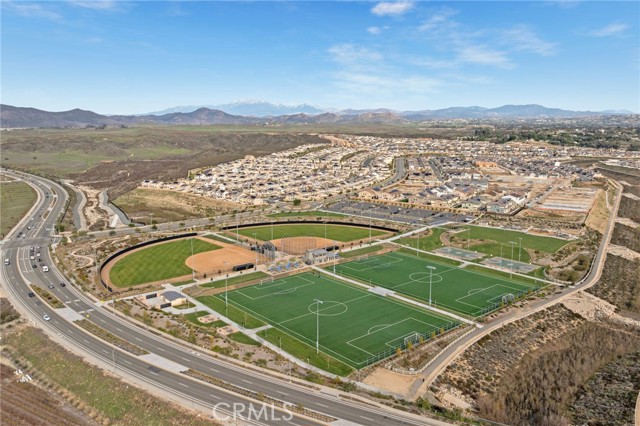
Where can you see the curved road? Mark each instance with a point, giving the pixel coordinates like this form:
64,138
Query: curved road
160,374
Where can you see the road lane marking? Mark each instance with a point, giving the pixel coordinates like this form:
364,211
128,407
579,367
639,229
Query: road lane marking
246,381
367,418
214,396
182,384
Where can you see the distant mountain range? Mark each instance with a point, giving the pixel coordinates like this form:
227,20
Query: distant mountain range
19,117
251,108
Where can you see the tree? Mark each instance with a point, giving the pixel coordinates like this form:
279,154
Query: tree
297,202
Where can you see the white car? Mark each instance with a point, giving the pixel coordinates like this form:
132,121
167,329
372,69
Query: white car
46,317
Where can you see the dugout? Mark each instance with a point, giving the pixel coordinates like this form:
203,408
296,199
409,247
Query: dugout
243,267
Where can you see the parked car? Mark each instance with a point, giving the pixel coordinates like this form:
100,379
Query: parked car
46,317
62,284
51,286
31,294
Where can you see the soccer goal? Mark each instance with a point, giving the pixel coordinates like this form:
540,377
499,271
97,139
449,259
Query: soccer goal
508,298
266,280
413,338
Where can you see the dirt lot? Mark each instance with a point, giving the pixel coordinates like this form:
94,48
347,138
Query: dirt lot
27,404
147,204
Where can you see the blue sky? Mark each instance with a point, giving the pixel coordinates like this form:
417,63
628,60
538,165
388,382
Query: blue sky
135,57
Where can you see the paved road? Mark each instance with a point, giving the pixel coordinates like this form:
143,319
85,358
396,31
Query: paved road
449,355
160,376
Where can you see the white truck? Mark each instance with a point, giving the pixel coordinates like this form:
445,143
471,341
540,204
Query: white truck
45,268
7,261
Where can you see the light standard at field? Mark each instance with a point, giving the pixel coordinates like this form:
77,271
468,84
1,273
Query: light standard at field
418,245
513,243
519,248
501,264
325,229
226,280
431,268
255,240
318,302
193,272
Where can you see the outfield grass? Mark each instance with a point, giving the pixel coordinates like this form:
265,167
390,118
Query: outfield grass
357,327
313,213
458,290
235,280
157,262
535,242
16,198
425,243
342,233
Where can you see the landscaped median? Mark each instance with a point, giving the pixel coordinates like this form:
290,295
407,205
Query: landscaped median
52,300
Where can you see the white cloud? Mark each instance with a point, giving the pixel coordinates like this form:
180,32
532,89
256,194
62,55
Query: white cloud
99,5
374,30
385,84
523,38
396,8
31,10
354,56
479,54
612,29
439,22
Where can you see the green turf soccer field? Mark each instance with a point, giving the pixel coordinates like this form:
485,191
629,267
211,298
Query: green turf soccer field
340,233
356,326
454,289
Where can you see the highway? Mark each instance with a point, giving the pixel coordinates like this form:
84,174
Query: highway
161,376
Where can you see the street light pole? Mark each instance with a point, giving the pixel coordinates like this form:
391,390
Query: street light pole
431,268
318,302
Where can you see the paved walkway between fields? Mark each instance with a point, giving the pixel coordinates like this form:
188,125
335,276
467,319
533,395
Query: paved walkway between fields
404,299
